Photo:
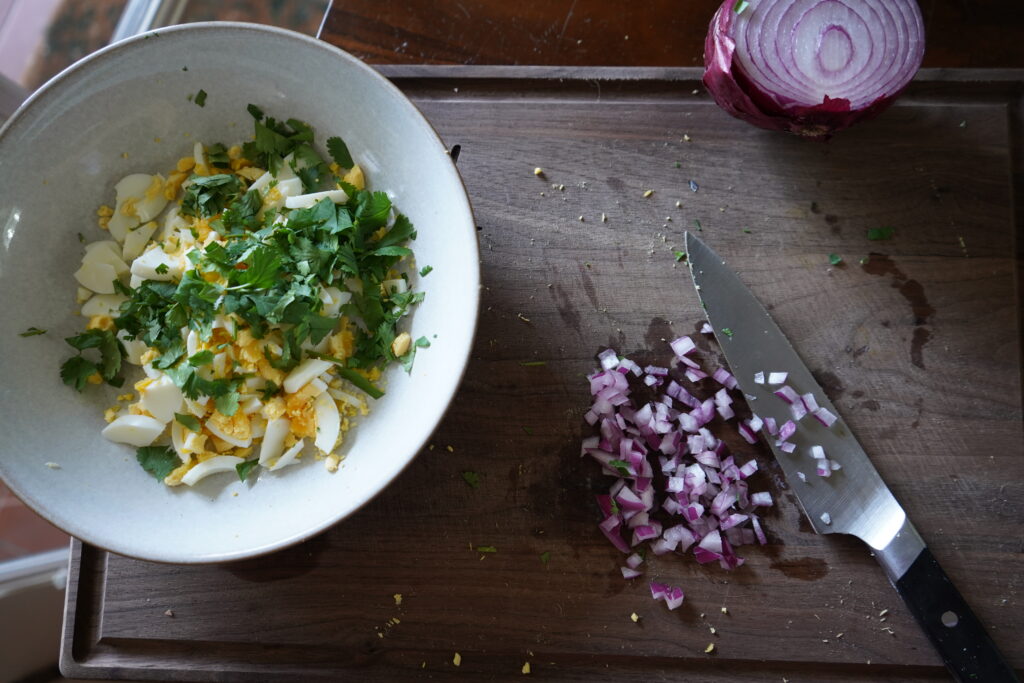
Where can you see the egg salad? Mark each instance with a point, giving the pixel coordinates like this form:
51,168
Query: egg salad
259,288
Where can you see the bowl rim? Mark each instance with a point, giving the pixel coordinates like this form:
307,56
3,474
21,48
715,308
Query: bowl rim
51,88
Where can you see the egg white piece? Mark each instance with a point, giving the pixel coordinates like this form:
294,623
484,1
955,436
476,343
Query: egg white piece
328,422
279,194
145,266
120,224
178,440
136,240
304,372
304,201
290,456
110,245
108,256
134,430
234,441
99,277
273,439
103,304
173,222
134,348
215,465
162,399
333,299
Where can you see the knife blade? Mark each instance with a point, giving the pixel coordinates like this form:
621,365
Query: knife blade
854,499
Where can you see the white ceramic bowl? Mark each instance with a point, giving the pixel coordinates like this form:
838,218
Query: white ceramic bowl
60,155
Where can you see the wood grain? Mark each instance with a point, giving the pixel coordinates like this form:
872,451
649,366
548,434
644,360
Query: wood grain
960,33
941,418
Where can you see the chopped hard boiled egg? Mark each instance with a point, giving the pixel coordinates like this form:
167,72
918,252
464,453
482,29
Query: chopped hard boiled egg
225,282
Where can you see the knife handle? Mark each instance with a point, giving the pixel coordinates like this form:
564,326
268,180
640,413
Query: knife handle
954,630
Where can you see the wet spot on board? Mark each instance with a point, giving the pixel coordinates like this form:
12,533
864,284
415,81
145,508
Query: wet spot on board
616,184
870,404
913,292
567,310
659,334
857,393
802,568
834,389
919,405
588,286
815,208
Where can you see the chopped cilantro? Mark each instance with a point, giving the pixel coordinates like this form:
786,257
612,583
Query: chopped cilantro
533,363
527,430
227,404
338,150
545,557
75,371
622,466
425,270
727,332
696,224
207,196
189,422
244,468
740,6
835,259
161,269
471,478
486,549
204,357
157,460
81,238
268,391
678,165
200,98
883,233
31,332
680,255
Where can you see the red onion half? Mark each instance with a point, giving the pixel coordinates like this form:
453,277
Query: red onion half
811,67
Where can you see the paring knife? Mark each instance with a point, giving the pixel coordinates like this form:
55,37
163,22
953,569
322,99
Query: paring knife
853,500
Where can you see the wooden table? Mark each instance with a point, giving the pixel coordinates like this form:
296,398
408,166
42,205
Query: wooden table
916,340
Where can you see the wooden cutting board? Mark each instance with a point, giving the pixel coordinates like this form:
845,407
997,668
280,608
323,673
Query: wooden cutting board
916,339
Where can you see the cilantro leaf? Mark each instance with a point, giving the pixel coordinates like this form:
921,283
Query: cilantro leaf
31,332
883,233
268,391
207,196
545,557
200,98
262,268
227,405
244,468
76,371
740,6
338,150
425,270
203,357
159,461
835,259
622,466
486,549
189,422
109,347
161,269
472,479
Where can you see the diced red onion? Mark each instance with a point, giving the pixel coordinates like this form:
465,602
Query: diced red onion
608,358
761,499
786,446
812,68
777,377
748,434
787,394
758,378
787,430
827,518
824,416
658,590
628,573
771,426
726,412
725,378
707,329
758,531
611,529
824,469
797,410
809,402
803,477
817,452
682,346
674,597
695,375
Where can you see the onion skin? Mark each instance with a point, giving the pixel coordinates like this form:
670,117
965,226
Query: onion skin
734,91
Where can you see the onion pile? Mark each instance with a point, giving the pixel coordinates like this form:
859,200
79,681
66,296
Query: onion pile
667,463
811,67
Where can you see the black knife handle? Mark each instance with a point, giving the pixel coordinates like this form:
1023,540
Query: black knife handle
955,632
